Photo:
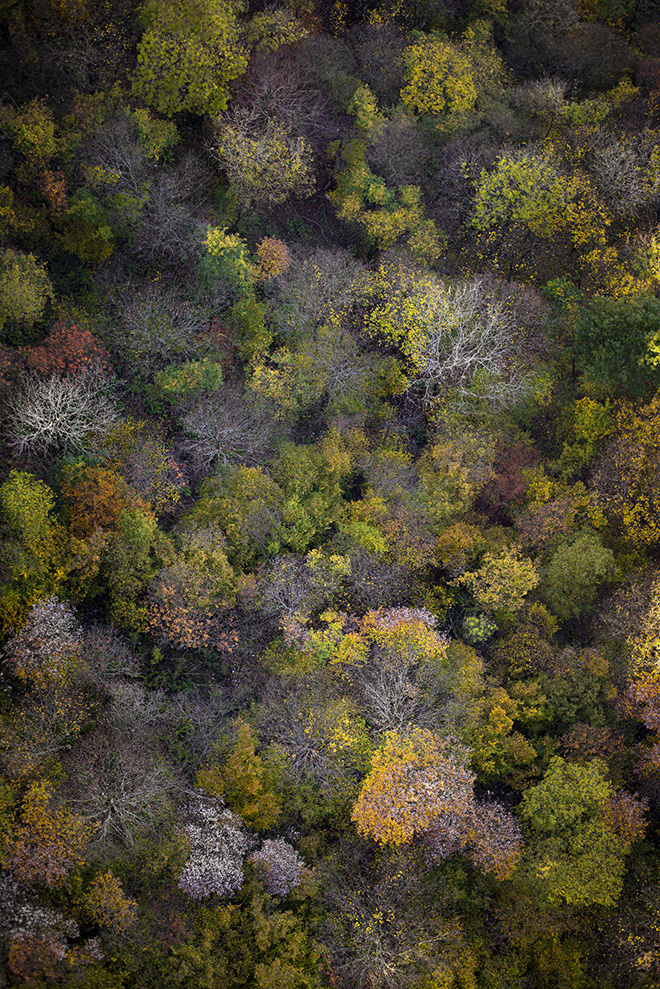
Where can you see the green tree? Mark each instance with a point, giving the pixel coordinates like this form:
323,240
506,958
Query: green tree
247,504
616,345
135,554
33,546
188,55
574,572
25,289
574,856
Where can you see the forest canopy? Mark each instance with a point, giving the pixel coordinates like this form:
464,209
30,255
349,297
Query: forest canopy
329,511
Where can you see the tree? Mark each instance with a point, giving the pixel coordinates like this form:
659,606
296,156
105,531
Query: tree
105,902
265,164
48,842
158,329
25,289
281,867
188,55
243,781
614,345
217,847
573,573
247,503
489,834
383,214
84,229
319,743
47,647
229,428
459,340
416,779
188,597
274,258
574,855
33,551
44,414
396,663
94,498
439,82
136,553
528,198
625,478
143,459
384,925
502,581
32,127
68,350
115,777
315,283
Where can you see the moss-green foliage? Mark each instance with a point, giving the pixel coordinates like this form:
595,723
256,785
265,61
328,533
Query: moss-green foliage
247,504
25,290
575,857
574,572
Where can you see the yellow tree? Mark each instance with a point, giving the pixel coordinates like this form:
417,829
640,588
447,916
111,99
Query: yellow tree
48,841
415,779
243,781
439,82
188,55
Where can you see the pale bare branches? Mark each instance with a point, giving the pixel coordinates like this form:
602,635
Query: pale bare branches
43,414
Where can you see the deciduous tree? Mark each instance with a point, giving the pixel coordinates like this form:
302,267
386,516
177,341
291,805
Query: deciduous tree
188,55
55,413
416,779
48,842
574,855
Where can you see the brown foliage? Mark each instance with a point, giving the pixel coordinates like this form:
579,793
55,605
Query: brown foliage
95,497
587,742
186,610
625,815
52,186
509,484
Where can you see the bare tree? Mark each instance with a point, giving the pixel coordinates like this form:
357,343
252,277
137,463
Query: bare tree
43,414
171,224
313,285
157,328
274,88
627,170
229,428
469,355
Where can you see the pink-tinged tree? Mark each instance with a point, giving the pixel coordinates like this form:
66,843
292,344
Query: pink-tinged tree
218,845
281,867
